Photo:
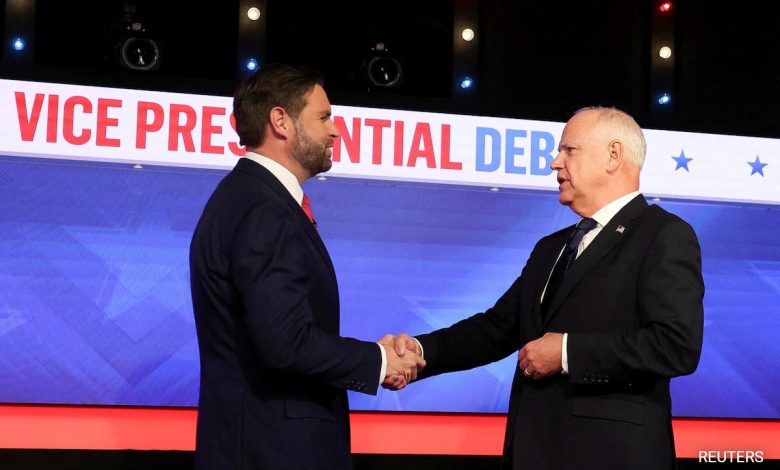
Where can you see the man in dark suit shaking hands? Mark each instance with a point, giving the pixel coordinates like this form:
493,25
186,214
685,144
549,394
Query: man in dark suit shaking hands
604,314
274,370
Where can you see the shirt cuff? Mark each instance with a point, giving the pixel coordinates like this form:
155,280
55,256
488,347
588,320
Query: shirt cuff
564,355
419,346
383,370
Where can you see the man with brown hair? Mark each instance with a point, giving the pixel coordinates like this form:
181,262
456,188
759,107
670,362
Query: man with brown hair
274,370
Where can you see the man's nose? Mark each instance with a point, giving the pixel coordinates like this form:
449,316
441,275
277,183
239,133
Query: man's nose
557,162
334,130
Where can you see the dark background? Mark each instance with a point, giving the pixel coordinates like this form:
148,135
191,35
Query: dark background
536,60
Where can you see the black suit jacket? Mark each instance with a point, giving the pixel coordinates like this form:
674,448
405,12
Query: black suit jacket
632,307
274,370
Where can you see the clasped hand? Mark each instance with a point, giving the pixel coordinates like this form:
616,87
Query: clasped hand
541,357
403,361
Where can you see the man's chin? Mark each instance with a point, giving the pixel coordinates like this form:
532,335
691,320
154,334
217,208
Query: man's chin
325,167
564,200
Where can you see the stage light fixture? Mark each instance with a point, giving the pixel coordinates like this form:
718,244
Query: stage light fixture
253,13
384,71
252,65
381,68
467,34
466,83
18,43
662,71
135,45
140,53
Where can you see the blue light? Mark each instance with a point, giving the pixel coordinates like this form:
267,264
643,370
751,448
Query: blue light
466,83
664,99
251,65
18,43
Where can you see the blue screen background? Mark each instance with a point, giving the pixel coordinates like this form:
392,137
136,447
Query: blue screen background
95,303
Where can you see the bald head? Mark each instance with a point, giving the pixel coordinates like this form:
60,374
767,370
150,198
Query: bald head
616,124
600,155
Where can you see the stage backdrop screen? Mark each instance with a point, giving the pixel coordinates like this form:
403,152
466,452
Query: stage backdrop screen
94,281
96,303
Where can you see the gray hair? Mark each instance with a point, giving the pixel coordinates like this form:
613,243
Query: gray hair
628,131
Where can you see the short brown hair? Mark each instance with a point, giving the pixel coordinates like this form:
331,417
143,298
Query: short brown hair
282,85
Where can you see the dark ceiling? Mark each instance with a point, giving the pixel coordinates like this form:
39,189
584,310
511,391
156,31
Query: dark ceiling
537,60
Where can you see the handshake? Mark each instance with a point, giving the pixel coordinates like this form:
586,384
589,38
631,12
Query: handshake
404,360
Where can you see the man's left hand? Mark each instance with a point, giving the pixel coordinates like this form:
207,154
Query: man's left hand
541,357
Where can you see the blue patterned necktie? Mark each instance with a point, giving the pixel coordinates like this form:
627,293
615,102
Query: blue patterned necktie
567,257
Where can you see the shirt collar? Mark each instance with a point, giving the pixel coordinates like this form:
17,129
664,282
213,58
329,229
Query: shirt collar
606,213
285,176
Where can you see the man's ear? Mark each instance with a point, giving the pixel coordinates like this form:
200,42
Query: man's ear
615,149
279,121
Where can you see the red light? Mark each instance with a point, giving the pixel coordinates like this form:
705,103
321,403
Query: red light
665,7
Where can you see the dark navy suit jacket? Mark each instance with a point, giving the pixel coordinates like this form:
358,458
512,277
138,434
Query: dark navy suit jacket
274,370
632,306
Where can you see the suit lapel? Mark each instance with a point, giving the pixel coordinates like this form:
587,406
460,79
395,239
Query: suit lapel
609,237
247,166
553,249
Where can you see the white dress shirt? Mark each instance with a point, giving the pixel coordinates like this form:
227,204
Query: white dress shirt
602,218
285,176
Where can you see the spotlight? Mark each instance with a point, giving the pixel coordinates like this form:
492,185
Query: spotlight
467,34
253,13
381,68
18,43
135,43
665,7
252,65
664,99
665,52
384,71
140,54
466,83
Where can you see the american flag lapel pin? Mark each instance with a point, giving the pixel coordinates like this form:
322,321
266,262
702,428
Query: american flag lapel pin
620,229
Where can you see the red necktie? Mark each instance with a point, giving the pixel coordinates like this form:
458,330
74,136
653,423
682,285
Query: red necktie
306,206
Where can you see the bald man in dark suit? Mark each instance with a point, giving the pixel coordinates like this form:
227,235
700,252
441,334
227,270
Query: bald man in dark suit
604,314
